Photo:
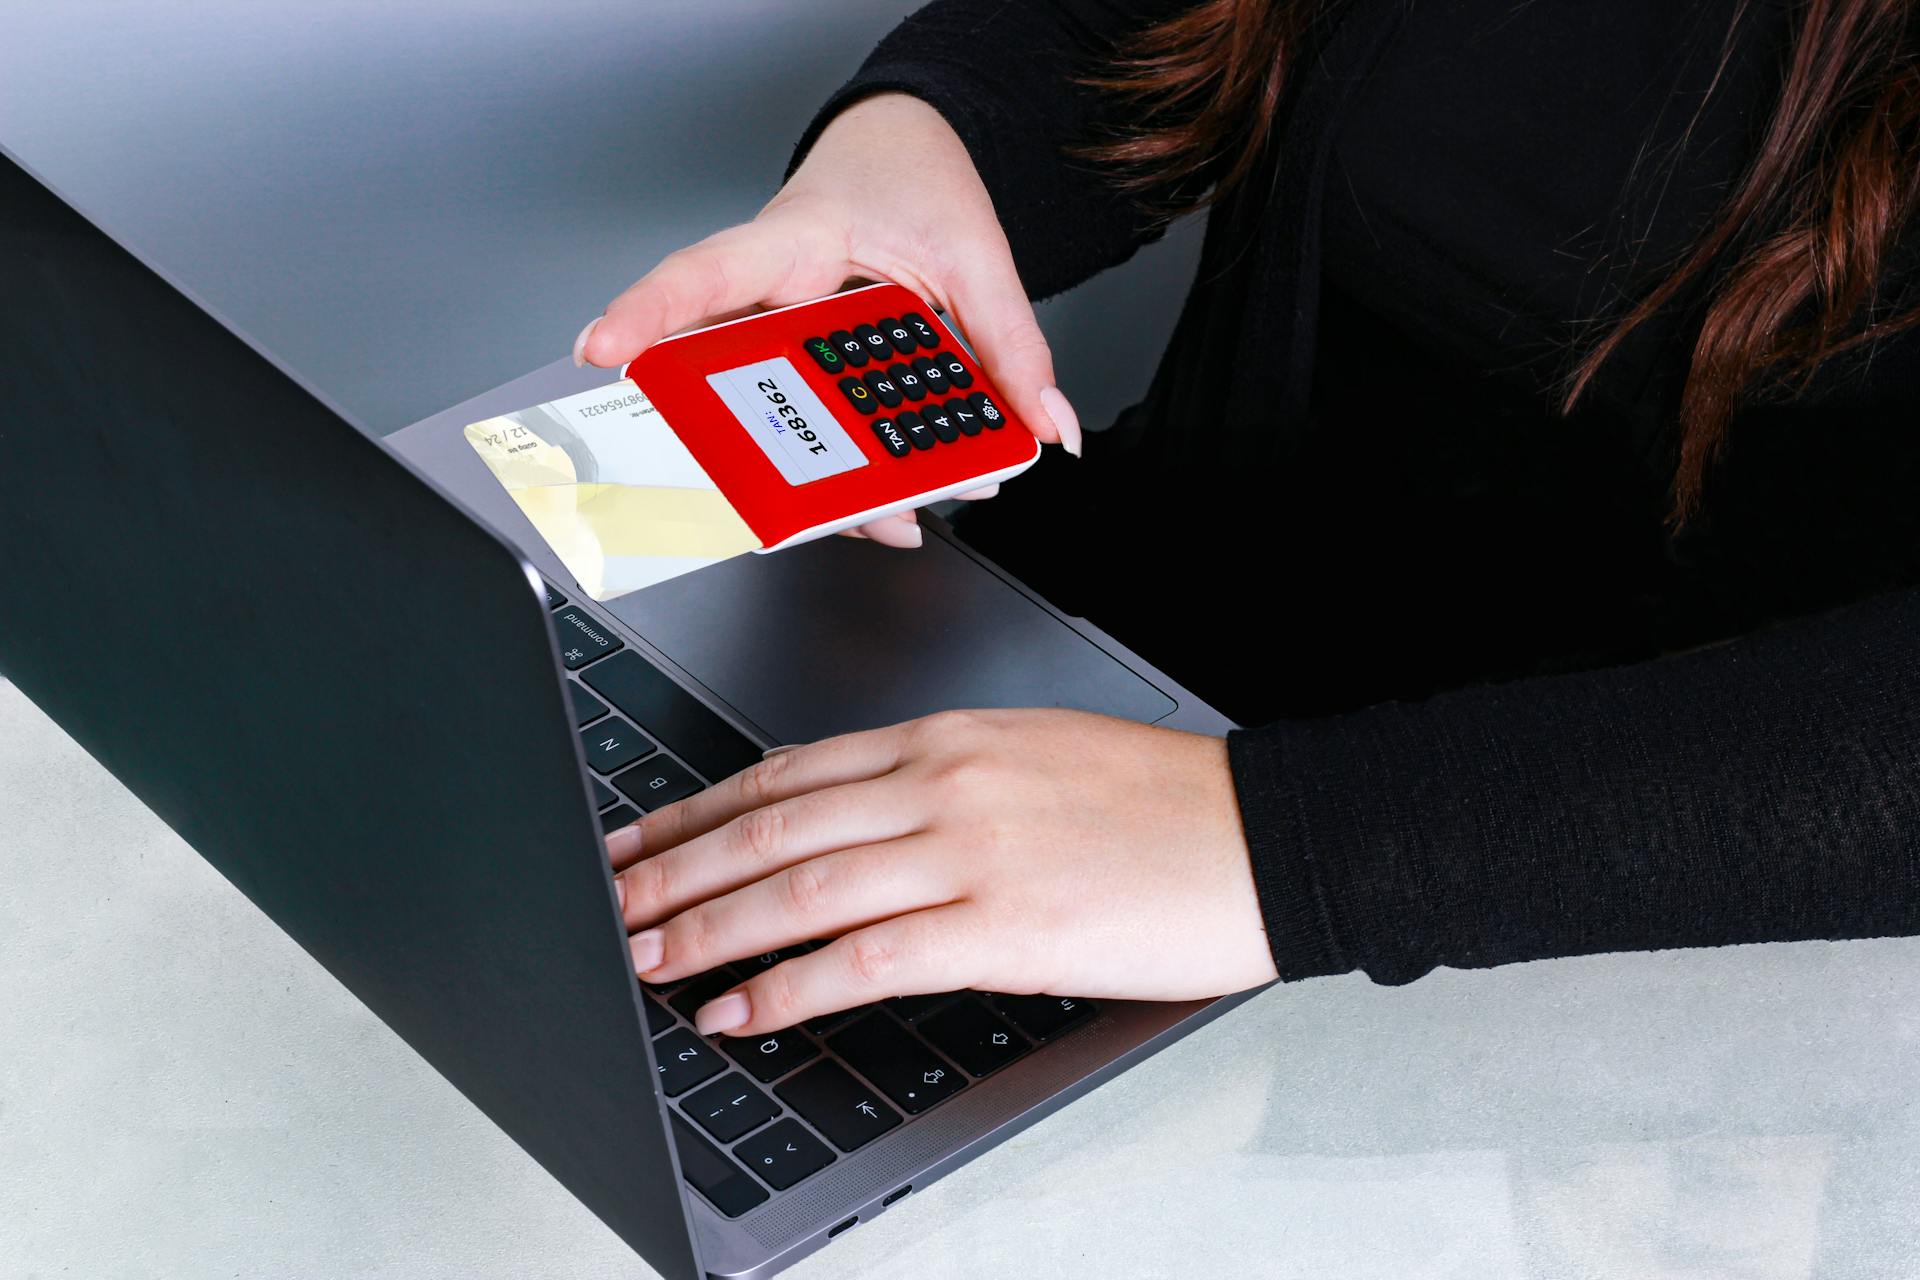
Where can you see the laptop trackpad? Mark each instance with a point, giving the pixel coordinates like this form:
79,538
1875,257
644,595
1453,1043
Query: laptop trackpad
841,634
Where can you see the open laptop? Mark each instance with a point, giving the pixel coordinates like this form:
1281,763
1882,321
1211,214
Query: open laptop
354,680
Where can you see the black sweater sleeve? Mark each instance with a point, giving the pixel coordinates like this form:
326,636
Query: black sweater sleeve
1004,74
1766,789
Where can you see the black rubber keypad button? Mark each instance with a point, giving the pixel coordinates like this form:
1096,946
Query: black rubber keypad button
880,382
934,375
924,333
825,355
916,429
900,336
965,416
859,395
988,410
942,422
908,381
875,342
851,349
956,368
891,437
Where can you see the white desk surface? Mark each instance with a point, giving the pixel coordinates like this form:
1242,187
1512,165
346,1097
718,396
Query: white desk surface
184,1093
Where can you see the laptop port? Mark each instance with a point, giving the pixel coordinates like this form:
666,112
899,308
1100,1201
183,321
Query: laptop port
896,1195
834,1231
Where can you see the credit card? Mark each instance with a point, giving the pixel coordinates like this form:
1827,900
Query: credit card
612,489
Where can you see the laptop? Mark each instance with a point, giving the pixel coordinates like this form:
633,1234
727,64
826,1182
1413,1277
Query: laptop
348,673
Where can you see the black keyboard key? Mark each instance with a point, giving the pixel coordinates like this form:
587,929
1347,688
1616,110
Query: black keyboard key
884,388
916,430
730,1107
658,1019
914,1008
614,819
760,964
908,381
685,1061
769,1057
904,1069
701,988
858,395
671,714
890,436
850,1113
582,639
945,429
554,598
657,783
934,375
900,336
827,1022
586,707
851,349
973,1037
825,355
714,1176
602,794
614,744
874,341
926,334
963,415
784,1153
989,411
1044,1017
957,371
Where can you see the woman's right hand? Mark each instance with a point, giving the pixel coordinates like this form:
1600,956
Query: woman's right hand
844,215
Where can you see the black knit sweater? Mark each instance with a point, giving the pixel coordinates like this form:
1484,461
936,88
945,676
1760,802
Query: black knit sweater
1507,714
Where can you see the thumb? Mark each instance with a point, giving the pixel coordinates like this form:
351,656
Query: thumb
992,308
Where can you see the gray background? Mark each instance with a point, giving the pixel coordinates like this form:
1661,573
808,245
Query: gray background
409,203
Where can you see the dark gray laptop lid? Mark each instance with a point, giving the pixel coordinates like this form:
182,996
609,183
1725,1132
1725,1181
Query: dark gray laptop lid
332,683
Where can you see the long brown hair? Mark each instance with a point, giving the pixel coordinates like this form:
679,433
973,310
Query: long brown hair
1794,255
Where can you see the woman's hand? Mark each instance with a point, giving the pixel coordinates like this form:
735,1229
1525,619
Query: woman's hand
1017,851
844,216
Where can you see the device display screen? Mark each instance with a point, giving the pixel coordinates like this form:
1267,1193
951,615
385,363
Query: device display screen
788,422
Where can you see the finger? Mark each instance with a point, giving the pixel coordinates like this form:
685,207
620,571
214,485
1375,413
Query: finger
814,898
624,845
831,762
895,531
991,306
727,273
913,954
980,495
765,841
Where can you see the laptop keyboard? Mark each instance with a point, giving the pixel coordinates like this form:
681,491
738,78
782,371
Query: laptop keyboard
753,1117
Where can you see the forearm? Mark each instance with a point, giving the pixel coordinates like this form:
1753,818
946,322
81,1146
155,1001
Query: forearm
1767,789
1006,77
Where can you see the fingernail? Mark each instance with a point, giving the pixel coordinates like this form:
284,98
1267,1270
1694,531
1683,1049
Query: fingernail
620,891
648,949
623,842
774,751
894,533
724,1014
580,343
980,495
1064,418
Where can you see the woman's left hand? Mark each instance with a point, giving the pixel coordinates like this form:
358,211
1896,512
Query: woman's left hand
1017,851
